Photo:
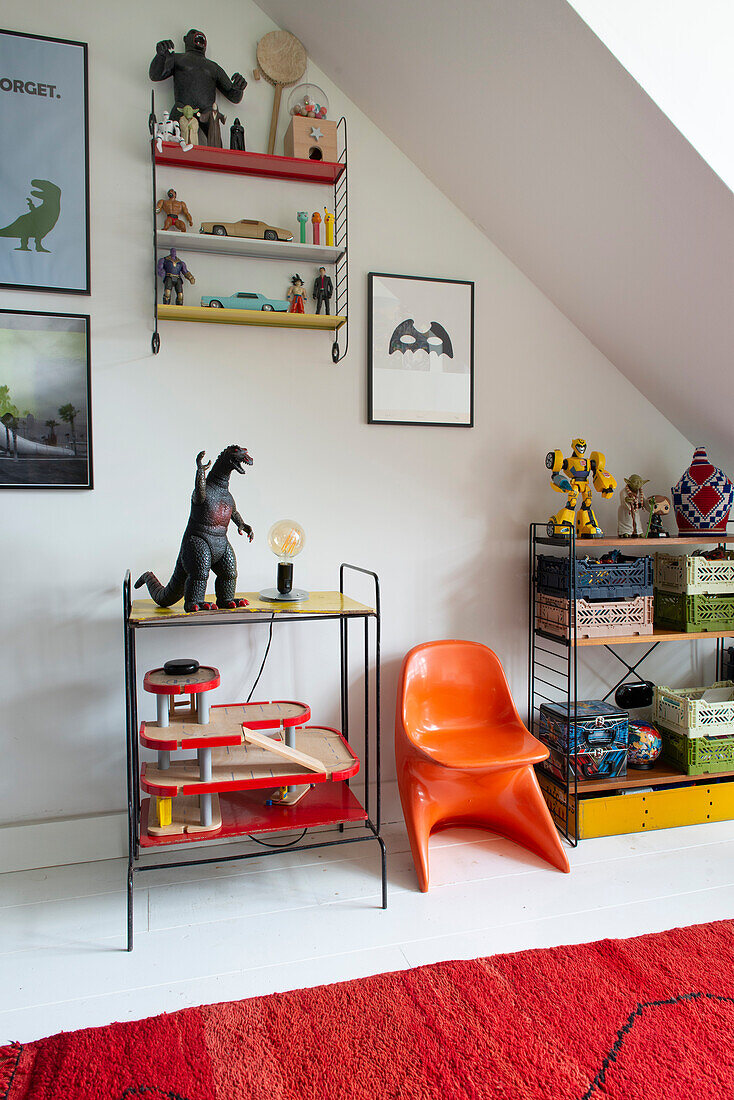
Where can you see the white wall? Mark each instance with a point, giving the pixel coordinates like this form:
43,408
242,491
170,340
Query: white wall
441,514
680,52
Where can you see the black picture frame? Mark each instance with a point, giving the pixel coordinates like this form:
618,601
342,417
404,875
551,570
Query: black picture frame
466,340
6,143
72,466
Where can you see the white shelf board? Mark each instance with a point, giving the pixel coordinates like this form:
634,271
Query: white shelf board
247,246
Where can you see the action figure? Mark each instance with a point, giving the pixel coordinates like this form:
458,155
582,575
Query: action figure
172,208
630,523
323,288
214,120
196,79
171,269
168,130
571,476
659,506
189,124
204,546
296,295
237,136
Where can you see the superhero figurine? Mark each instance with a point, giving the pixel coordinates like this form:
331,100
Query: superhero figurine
171,269
173,208
323,288
571,476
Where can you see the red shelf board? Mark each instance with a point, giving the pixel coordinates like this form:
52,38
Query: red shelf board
249,164
246,812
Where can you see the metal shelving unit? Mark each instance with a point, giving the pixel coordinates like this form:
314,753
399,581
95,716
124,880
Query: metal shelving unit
553,677
328,804
287,169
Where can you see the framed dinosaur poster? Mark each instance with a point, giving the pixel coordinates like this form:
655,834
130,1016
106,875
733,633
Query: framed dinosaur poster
420,350
44,172
45,401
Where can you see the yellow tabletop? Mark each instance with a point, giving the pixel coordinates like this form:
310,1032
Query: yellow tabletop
318,603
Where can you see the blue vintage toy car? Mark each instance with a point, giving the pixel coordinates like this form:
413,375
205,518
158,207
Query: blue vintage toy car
246,300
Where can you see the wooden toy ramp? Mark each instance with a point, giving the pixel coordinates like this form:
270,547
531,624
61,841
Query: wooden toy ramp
262,762
224,726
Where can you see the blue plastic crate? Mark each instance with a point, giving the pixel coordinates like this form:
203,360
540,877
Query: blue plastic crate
620,580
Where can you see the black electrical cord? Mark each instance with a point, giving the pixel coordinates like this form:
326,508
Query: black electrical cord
288,845
264,843
265,657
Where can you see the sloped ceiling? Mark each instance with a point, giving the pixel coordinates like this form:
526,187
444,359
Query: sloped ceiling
523,118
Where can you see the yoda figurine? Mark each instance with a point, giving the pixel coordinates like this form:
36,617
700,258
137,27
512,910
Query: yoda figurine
630,521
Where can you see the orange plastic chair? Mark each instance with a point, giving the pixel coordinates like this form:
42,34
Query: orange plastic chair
463,755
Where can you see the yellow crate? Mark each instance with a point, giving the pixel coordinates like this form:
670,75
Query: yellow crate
634,813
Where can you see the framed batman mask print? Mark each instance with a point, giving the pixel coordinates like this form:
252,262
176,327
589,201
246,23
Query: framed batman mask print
421,350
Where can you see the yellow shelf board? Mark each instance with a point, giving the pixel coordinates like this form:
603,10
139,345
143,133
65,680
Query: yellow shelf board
634,813
249,317
318,603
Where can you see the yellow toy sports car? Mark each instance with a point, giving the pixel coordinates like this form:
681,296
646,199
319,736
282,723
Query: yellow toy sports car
246,227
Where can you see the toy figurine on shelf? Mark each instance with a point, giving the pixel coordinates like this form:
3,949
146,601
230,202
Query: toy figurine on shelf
168,130
316,227
237,136
302,219
571,476
323,288
630,522
659,506
189,123
172,270
196,79
173,208
329,226
204,546
296,295
213,120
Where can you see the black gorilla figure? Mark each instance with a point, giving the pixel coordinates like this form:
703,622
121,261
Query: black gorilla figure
196,79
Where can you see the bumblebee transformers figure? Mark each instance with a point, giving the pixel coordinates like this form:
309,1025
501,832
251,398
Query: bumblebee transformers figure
572,476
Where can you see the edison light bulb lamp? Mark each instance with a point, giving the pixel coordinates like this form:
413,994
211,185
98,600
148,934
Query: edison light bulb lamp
286,539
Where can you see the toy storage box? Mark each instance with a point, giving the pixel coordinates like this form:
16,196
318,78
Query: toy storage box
595,618
595,580
599,746
693,614
693,574
699,755
696,712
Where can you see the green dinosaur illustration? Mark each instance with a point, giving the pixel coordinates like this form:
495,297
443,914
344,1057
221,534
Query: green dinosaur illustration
39,220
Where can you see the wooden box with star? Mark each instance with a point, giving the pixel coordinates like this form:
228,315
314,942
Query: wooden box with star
311,139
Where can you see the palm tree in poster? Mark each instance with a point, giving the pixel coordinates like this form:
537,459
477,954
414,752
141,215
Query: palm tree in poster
52,425
67,414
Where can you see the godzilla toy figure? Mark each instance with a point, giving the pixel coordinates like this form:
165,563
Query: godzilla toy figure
204,546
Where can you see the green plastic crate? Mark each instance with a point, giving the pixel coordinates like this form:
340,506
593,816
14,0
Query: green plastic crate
677,611
699,755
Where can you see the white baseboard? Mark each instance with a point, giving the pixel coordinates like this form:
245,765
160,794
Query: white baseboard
86,839
63,840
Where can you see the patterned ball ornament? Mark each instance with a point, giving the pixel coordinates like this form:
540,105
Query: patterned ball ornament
703,497
645,744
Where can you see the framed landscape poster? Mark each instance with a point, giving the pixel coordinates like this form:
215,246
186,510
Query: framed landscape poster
421,350
44,167
45,401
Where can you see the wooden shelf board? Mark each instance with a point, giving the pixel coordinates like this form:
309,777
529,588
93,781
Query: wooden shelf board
240,163
147,612
584,545
657,635
249,317
246,246
661,774
245,813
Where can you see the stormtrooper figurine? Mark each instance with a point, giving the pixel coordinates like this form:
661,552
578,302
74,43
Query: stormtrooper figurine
168,130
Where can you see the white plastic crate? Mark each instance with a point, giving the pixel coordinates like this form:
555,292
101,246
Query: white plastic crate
595,618
694,575
696,712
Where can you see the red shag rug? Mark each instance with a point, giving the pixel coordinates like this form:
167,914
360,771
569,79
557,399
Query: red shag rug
650,1018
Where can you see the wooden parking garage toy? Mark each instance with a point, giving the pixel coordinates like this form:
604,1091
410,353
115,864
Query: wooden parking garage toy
233,751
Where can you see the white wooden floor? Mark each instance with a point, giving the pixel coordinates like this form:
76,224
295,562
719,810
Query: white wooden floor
234,930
